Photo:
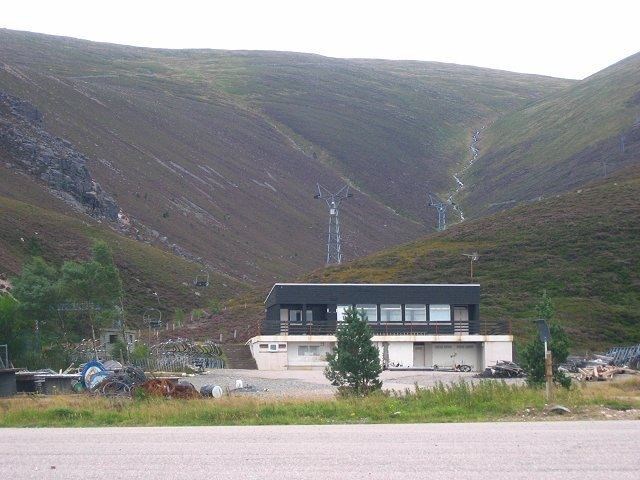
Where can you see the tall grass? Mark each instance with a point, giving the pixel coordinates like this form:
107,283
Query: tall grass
486,400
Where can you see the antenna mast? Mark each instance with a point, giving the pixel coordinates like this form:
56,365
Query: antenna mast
441,207
333,200
473,257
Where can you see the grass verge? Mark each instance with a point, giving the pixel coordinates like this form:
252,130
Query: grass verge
460,402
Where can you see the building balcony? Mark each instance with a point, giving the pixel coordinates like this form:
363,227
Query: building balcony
481,327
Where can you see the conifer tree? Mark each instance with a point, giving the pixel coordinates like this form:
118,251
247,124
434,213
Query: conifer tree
354,363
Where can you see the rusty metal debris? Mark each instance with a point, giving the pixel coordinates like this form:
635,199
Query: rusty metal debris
162,387
122,382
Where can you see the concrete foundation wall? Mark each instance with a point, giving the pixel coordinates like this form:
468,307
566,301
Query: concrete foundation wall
475,350
266,360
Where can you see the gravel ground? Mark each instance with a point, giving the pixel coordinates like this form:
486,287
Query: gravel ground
311,383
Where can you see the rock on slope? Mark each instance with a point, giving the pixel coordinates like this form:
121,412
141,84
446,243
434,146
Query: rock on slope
28,147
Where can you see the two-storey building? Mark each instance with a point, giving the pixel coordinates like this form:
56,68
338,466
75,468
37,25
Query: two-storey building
414,325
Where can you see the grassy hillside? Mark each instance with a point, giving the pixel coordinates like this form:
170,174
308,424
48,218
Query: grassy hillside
581,247
220,151
390,127
559,143
27,230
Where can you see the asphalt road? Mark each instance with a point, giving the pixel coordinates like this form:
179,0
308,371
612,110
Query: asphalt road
564,450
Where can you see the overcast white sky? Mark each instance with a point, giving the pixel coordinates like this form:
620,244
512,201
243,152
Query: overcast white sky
565,38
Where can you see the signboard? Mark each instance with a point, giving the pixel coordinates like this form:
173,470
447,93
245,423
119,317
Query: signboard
543,330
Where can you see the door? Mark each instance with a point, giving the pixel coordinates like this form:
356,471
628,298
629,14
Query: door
443,355
468,354
461,320
284,321
446,355
418,355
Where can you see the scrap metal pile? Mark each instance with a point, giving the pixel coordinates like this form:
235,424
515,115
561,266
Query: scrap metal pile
174,355
182,353
616,361
162,387
111,379
503,369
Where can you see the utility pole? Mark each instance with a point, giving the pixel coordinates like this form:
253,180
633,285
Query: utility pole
441,207
334,240
473,257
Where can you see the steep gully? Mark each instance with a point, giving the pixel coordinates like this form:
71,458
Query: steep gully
459,185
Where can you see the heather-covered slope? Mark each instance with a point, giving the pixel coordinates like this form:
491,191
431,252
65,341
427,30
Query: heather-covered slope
219,152
27,230
572,137
582,247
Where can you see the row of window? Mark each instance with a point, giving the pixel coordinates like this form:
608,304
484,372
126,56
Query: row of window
273,347
303,350
308,350
393,313
389,313
295,316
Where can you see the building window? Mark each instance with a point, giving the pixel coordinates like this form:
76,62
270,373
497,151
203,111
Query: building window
415,313
113,338
440,313
309,315
341,311
282,346
273,347
295,317
391,313
371,311
264,346
308,351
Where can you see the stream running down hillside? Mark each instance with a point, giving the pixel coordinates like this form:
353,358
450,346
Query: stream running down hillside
475,151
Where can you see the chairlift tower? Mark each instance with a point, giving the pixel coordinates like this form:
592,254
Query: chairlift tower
441,207
333,200
202,279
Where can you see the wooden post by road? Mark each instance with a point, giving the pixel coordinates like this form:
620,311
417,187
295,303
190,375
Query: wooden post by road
548,373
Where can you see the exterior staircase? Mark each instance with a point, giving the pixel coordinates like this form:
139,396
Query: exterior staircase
238,356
